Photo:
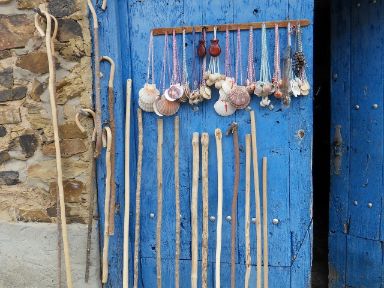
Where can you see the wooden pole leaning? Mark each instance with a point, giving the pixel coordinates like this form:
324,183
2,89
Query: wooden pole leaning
233,129
219,151
194,208
265,220
159,200
127,183
204,174
111,110
107,142
92,191
257,199
49,42
138,197
247,209
177,201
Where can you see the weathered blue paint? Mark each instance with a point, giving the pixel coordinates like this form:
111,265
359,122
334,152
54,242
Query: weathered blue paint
124,32
355,258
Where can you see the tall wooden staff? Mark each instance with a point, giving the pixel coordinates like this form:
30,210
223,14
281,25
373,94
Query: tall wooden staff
247,208
111,110
107,142
52,99
138,196
194,204
265,220
159,199
127,183
233,130
177,201
257,199
204,174
219,151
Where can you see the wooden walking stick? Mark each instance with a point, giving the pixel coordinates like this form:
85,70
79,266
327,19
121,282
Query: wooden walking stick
107,142
159,199
177,201
257,199
247,208
138,197
219,151
92,191
97,79
204,174
194,208
111,105
234,130
52,99
127,182
265,220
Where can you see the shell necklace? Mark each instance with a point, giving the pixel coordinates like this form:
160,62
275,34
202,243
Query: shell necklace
205,91
222,106
213,76
264,86
184,78
299,63
162,106
239,96
286,84
149,93
251,67
194,96
276,80
176,90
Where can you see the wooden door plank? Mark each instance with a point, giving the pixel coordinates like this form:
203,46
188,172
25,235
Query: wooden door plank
366,122
109,37
337,259
364,258
300,145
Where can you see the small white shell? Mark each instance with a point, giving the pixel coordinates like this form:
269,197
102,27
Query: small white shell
227,85
209,82
218,84
305,85
305,92
265,102
205,92
295,89
224,108
259,88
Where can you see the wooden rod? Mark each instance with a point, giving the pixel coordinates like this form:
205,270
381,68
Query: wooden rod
230,27
159,199
194,209
247,208
219,151
177,201
265,220
204,245
257,199
127,183
138,197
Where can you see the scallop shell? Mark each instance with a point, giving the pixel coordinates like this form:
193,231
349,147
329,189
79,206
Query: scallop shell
224,108
227,85
223,95
259,88
174,92
163,107
148,95
206,75
239,97
295,89
267,88
305,92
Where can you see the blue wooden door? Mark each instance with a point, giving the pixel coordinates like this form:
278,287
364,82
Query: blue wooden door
284,136
356,226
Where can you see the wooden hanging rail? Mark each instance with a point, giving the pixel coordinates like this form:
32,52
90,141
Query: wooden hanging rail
231,27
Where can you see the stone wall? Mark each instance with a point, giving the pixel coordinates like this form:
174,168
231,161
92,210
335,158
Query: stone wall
27,153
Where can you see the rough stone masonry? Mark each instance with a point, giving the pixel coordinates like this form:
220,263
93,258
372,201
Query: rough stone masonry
27,155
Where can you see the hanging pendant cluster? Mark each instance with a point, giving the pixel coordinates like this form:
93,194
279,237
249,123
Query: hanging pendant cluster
234,93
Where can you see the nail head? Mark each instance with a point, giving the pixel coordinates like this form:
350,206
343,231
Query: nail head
212,218
375,106
228,218
253,220
275,221
357,107
370,205
355,203
151,215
